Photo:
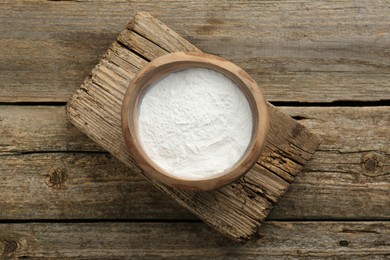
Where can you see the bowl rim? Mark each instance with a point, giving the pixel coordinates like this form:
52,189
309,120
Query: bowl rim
169,63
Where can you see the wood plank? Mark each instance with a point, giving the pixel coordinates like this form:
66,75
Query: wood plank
338,127
348,178
78,186
40,128
296,50
278,240
236,210
354,156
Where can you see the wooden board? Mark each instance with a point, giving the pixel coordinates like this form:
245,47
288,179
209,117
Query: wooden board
235,210
278,240
297,50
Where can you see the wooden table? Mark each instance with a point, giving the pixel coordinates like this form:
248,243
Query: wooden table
325,64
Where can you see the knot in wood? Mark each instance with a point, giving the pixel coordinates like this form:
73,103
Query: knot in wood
343,243
8,246
56,177
371,162
297,130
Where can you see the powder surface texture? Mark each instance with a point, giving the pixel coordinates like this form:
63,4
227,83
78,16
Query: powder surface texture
195,123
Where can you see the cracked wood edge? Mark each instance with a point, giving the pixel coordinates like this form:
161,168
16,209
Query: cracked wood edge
236,210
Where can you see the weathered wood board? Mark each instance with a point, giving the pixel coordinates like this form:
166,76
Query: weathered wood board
278,240
306,51
236,210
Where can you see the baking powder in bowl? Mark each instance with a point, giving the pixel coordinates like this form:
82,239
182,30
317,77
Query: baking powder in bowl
195,123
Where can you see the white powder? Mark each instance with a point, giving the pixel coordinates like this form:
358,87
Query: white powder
195,123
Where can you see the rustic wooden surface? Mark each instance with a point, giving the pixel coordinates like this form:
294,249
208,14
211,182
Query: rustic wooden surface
325,51
346,163
279,239
341,48
235,210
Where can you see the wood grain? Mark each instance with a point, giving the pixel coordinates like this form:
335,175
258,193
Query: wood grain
235,210
40,129
347,178
78,186
278,240
296,50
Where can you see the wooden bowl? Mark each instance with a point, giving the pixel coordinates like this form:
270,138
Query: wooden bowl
162,66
